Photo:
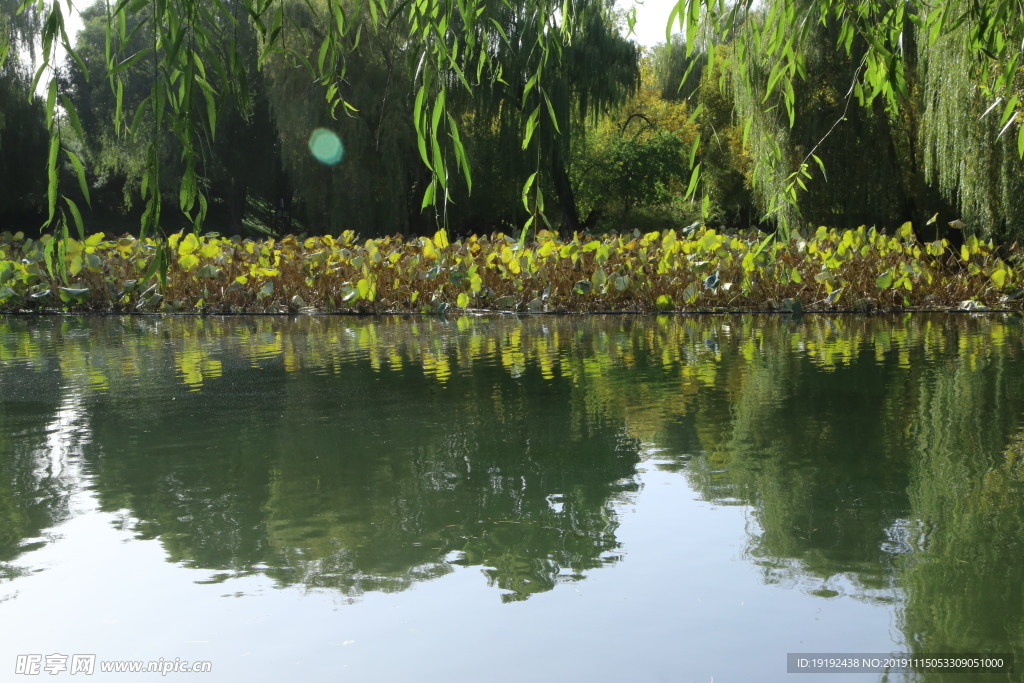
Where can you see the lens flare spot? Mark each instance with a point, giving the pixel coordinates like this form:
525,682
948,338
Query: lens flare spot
326,146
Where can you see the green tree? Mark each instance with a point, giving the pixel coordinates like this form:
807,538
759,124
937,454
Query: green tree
23,136
778,44
241,162
636,157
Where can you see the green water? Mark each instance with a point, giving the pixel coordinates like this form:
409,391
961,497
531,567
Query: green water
510,499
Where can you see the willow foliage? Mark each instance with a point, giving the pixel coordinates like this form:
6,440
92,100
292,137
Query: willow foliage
23,135
378,131
531,68
969,150
776,47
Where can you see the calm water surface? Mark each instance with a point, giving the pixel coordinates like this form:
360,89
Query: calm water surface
507,499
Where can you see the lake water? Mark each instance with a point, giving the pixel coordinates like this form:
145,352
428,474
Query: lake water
509,499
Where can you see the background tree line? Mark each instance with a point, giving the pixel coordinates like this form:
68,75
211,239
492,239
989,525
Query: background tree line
590,132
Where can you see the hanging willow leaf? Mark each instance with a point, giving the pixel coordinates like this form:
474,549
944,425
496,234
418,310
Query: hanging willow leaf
76,214
52,177
531,126
694,177
80,172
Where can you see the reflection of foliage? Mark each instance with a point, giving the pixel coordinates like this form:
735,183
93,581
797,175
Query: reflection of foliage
965,573
370,454
318,485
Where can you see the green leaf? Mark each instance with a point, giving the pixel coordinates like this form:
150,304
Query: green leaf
49,254
762,245
209,271
531,126
76,124
694,177
526,190
119,100
884,280
529,86
154,266
551,114
461,158
463,300
821,165
75,295
127,64
51,168
421,133
80,172
51,100
429,195
79,225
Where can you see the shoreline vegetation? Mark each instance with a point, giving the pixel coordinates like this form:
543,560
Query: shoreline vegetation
698,269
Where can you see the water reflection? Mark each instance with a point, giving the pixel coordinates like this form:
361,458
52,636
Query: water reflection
880,458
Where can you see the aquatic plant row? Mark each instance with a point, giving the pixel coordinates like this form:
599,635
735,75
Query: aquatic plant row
699,269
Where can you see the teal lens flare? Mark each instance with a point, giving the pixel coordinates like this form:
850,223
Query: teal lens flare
326,146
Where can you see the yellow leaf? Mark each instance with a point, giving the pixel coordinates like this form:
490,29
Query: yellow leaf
441,238
188,245
188,261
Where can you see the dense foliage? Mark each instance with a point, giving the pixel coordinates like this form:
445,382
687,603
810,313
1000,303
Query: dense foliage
699,270
483,116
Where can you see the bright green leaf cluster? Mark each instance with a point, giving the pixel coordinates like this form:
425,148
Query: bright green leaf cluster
862,269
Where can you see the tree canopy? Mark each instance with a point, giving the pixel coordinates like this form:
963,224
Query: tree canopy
914,104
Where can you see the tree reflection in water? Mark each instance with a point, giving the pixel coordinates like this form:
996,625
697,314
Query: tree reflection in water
878,457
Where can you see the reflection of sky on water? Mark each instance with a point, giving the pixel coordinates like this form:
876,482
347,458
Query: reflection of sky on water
679,602
374,461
